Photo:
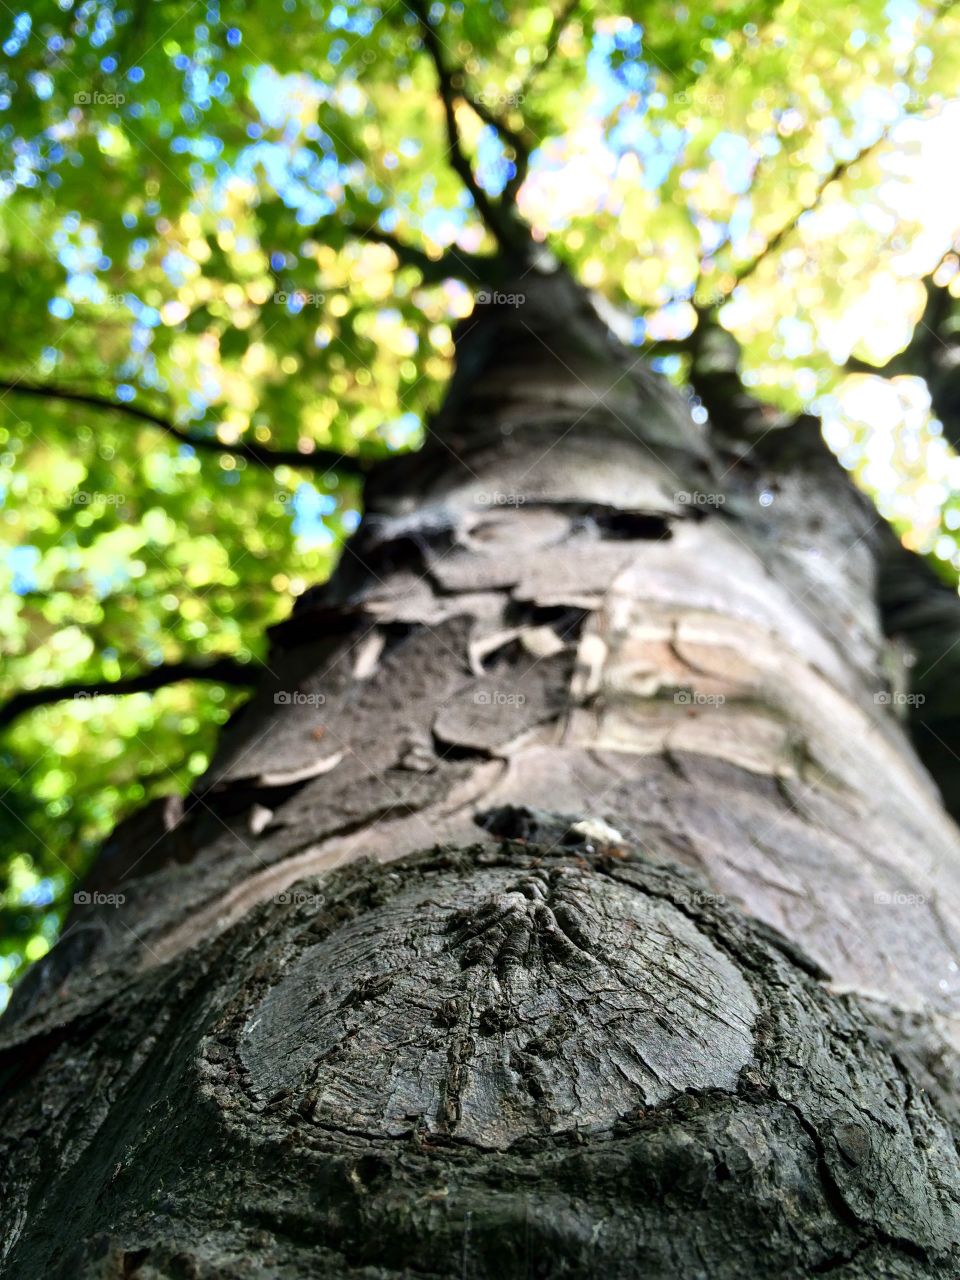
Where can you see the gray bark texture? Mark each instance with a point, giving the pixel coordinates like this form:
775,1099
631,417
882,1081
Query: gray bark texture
569,901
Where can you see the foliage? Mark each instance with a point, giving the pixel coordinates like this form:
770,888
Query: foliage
247,220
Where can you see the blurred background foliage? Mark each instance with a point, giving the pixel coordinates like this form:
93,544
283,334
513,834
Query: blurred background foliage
203,209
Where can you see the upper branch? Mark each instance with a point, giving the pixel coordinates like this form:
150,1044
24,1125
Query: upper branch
714,354
258,455
557,28
838,171
450,85
933,353
520,140
220,670
458,264
521,143
714,374
916,609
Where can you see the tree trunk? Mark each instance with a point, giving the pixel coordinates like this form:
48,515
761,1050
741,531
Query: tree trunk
568,903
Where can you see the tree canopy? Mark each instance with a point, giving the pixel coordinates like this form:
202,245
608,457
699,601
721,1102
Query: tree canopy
236,239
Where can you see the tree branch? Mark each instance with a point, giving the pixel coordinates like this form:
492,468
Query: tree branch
559,25
933,354
450,91
777,239
220,670
714,373
472,268
923,614
703,311
837,172
916,609
258,455
521,141
521,165
930,339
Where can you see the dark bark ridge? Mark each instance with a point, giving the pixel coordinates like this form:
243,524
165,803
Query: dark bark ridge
500,1060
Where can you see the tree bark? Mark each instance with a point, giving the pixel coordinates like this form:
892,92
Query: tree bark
567,902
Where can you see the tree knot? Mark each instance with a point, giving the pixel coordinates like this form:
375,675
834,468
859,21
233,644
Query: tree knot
529,925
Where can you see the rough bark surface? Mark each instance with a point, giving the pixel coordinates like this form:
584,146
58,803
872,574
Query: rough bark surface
501,1060
673,991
